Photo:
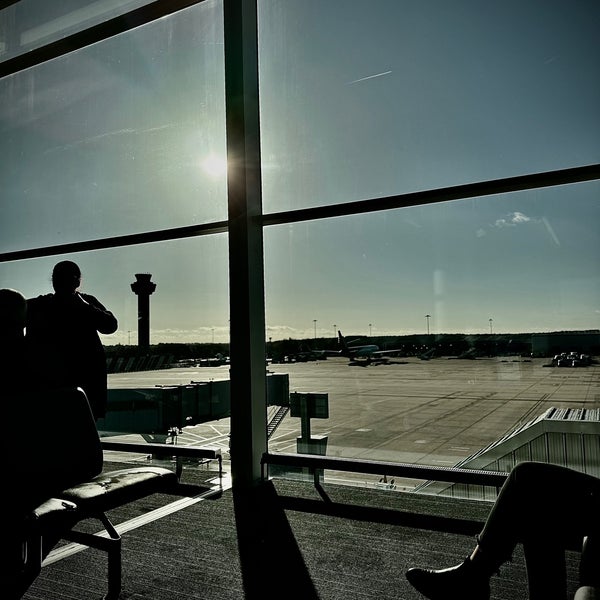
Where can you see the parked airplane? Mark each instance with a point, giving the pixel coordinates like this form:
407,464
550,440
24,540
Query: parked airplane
307,355
427,355
367,352
470,354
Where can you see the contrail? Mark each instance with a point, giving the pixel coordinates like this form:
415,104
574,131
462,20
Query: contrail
369,77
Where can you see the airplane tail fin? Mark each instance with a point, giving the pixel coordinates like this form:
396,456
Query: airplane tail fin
342,341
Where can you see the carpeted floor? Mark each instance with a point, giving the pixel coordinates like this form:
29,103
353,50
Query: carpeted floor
287,541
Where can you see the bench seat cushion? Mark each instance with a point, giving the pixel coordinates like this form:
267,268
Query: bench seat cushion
111,489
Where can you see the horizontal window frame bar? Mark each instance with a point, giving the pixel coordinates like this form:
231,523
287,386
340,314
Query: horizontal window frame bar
459,192
92,35
134,239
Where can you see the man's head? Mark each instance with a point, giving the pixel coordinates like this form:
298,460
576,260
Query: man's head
13,309
66,277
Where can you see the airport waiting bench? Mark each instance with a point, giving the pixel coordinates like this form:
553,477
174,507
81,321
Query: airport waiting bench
60,483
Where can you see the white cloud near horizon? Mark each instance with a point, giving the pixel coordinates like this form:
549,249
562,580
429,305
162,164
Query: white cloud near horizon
513,219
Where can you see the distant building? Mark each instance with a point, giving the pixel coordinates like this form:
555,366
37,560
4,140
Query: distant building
549,344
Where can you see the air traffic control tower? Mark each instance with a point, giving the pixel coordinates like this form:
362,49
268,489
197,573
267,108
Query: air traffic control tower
142,288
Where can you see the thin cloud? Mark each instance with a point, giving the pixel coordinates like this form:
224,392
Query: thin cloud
518,218
512,220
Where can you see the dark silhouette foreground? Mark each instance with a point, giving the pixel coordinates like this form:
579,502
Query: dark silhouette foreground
545,507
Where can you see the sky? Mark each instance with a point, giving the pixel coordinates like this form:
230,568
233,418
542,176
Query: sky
359,100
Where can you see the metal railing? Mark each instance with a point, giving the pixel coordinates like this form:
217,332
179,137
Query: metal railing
355,465
168,450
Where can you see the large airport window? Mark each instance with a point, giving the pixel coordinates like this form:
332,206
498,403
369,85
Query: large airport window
451,314
121,137
363,101
421,335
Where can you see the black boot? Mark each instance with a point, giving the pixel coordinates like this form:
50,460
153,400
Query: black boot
464,582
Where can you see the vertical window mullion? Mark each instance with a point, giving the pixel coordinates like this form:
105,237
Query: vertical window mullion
246,272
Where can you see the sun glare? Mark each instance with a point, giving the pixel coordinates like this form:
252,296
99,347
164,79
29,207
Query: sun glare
214,165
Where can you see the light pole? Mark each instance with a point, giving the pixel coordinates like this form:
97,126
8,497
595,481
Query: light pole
427,317
334,330
315,324
370,325
490,320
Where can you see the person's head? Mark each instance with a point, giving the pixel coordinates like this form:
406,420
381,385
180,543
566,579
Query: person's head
66,277
13,309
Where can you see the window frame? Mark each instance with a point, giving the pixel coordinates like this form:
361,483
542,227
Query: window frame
246,221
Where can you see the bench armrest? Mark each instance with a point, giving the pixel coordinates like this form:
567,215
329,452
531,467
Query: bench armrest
587,592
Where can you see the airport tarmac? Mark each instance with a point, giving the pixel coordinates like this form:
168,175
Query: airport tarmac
435,412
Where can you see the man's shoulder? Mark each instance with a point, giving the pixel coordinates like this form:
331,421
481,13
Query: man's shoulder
88,297
42,299
39,306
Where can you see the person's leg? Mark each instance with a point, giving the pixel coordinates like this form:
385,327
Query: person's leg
546,571
465,581
547,508
470,579
525,511
540,504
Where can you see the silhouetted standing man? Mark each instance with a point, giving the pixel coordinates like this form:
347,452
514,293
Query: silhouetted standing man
62,329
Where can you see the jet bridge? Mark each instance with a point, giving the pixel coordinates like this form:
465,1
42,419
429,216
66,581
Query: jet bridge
159,409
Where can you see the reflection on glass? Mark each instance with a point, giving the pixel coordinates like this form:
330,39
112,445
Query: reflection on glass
29,24
472,299
125,136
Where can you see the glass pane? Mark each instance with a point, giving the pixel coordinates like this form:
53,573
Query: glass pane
361,102
29,24
506,281
125,136
150,393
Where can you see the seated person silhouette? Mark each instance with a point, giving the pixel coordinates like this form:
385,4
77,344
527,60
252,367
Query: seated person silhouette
43,457
13,307
545,507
